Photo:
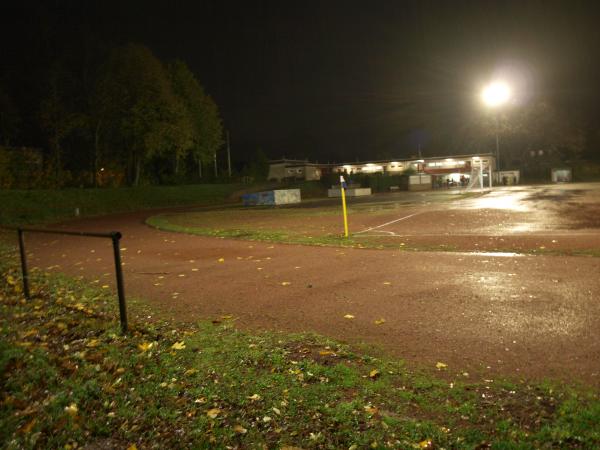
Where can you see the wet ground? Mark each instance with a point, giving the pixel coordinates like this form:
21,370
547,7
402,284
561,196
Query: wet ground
483,313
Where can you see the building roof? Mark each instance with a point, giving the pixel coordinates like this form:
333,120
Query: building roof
303,163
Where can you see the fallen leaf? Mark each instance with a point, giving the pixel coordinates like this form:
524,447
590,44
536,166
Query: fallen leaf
25,429
285,283
427,443
71,409
178,345
374,373
213,413
132,447
349,316
254,397
441,365
379,321
92,343
371,409
240,429
145,346
190,372
387,283
221,260
266,419
276,411
326,353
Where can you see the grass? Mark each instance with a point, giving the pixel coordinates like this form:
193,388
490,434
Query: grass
70,379
163,222
21,207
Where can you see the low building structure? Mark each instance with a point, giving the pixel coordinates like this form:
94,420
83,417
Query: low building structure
443,170
294,169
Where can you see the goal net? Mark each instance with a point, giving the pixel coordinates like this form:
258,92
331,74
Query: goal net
476,180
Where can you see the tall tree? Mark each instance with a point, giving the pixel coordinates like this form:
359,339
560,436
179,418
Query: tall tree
201,112
58,118
138,108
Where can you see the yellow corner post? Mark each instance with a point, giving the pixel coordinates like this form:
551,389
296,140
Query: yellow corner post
343,191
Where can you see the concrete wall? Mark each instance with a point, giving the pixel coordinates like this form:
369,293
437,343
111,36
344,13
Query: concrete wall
312,173
419,182
350,192
272,198
276,172
287,196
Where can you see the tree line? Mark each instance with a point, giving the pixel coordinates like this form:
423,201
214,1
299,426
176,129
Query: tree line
133,120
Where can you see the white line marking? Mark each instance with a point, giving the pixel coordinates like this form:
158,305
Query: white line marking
508,235
391,222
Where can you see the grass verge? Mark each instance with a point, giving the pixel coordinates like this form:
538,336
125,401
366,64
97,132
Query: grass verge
162,222
70,379
21,207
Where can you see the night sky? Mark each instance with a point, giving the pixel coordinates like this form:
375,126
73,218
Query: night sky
338,80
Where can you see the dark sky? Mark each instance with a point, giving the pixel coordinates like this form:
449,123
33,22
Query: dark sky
340,80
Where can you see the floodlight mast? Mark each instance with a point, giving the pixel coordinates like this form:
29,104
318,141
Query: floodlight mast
494,95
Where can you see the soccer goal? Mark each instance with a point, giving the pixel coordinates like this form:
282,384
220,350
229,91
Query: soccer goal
476,180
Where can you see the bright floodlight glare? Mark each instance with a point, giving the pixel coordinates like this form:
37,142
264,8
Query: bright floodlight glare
495,94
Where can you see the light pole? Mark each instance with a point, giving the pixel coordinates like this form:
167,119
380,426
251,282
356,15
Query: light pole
494,95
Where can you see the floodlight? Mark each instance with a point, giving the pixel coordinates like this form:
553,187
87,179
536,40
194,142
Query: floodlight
495,94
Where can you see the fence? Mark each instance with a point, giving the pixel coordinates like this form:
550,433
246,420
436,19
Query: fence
115,236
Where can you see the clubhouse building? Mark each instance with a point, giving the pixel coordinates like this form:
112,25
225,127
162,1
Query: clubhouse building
445,170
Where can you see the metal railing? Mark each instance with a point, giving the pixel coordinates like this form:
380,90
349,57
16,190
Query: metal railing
115,236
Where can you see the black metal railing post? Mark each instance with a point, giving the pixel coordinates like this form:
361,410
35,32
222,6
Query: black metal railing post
116,237
24,264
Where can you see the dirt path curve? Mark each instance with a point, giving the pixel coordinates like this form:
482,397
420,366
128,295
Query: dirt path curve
533,316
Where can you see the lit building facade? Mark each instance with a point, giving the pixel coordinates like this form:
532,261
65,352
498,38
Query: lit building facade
444,170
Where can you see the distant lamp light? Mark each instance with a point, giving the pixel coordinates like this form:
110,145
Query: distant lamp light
101,169
495,94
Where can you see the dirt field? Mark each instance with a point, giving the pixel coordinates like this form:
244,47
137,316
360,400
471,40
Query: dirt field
486,314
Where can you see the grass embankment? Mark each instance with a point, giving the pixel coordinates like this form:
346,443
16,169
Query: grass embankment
21,207
177,223
70,379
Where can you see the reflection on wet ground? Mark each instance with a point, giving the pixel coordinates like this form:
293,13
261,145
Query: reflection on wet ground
501,254
519,219
501,200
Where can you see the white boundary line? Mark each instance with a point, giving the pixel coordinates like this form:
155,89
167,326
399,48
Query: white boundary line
508,235
389,223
